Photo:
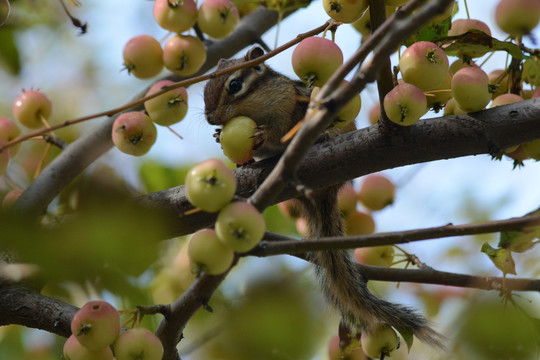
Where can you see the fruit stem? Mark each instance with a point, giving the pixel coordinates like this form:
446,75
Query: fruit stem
174,132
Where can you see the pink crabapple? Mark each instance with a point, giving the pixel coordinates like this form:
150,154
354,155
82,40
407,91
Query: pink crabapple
32,108
315,59
405,104
175,15
169,108
359,223
96,325
424,65
375,255
376,192
134,133
470,89
143,57
9,131
73,350
517,17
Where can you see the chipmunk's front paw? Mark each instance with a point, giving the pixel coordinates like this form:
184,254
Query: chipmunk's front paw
259,136
217,135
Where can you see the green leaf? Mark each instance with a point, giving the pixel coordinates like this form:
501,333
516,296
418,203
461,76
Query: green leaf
501,258
9,53
431,32
407,335
531,71
156,176
475,43
521,240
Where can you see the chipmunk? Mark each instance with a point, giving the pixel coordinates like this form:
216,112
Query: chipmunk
272,101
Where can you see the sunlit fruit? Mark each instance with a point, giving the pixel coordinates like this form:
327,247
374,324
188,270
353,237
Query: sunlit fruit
380,339
32,108
470,89
346,11
73,350
405,104
210,185
424,64
96,325
143,57
461,26
134,133
169,108
175,15
315,59
517,17
138,344
237,138
375,255
240,226
217,18
184,54
208,253
376,192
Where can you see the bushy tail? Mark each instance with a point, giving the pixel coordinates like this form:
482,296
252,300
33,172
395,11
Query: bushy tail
343,283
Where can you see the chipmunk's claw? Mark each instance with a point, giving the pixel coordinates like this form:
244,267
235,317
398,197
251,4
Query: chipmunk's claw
259,136
217,134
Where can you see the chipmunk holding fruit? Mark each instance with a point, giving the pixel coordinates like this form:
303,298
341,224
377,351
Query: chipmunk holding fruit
274,103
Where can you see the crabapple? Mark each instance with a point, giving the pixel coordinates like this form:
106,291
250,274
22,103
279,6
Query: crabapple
240,226
451,108
359,223
217,18
290,208
73,350
441,94
169,108
461,26
470,89
9,131
380,339
210,185
376,192
138,344
424,64
347,199
31,108
348,113
208,253
175,15
96,325
375,255
11,197
184,54
315,59
345,11
237,139
335,353
134,133
459,64
517,17
405,104
374,114
505,99
143,57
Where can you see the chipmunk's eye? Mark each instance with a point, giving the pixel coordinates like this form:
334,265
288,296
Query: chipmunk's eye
235,86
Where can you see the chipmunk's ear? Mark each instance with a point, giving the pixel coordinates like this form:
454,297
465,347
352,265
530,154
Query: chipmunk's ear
254,53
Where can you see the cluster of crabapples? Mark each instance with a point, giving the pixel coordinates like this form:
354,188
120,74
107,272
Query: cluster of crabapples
210,186
375,193
144,57
96,332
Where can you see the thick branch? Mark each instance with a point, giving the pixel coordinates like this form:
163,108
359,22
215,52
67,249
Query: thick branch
368,150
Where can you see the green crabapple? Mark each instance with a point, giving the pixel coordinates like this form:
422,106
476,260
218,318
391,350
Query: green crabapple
208,253
237,138
376,192
184,54
336,353
175,15
348,113
169,108
73,350
405,104
32,108
9,131
359,223
134,133
424,65
498,79
315,59
517,17
210,185
143,57
345,11
441,94
240,226
375,255
470,89
217,18
138,344
96,325
381,339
